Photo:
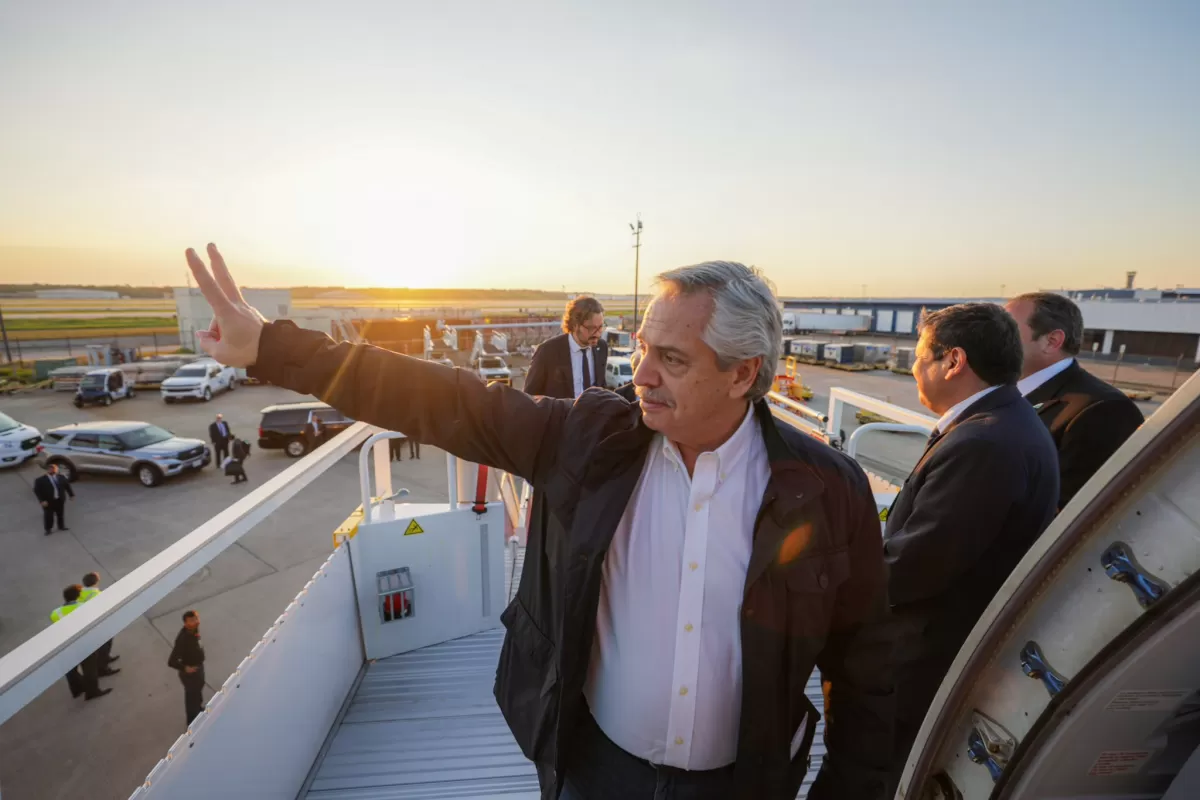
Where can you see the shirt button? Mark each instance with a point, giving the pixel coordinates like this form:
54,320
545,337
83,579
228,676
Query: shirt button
678,740
682,691
693,566
698,506
688,627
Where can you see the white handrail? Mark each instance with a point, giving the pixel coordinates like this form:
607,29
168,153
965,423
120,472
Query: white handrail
383,477
798,422
839,398
881,427
41,661
795,407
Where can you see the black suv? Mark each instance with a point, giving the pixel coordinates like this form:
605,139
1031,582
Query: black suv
282,426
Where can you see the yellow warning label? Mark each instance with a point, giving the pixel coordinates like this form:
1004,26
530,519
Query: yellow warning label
413,528
883,515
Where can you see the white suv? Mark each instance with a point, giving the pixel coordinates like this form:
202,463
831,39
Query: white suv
17,442
199,380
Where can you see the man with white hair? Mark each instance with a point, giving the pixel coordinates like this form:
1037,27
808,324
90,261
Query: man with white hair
689,561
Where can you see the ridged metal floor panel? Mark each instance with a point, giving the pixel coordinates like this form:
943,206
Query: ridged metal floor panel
424,726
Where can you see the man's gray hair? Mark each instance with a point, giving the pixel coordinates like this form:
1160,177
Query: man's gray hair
745,321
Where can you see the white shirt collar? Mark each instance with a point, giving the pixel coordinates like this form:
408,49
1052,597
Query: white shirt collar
1027,385
960,407
727,453
576,347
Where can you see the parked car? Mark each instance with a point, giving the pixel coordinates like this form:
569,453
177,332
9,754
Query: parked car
493,369
617,372
145,451
199,380
282,425
103,386
18,442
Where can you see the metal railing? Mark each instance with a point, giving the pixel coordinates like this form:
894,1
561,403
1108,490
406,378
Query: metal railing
879,427
41,661
839,398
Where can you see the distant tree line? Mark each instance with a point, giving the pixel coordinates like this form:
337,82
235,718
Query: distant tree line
125,290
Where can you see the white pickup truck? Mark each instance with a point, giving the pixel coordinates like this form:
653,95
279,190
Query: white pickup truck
494,368
199,380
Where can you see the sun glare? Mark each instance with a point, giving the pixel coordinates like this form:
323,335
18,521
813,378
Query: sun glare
382,219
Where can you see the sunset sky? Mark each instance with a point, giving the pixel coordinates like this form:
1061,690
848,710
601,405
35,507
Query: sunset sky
918,148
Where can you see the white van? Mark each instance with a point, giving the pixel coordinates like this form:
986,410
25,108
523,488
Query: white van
199,380
618,371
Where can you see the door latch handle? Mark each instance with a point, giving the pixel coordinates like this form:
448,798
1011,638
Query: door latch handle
1120,565
1034,664
989,744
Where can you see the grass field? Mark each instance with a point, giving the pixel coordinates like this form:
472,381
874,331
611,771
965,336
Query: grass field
67,324
95,332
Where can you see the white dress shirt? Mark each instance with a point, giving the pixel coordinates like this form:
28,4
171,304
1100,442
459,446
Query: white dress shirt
1034,381
665,678
224,431
960,407
578,353
54,485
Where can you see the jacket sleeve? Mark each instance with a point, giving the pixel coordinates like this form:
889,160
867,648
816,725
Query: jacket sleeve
856,669
175,660
1091,439
67,487
960,508
449,408
535,379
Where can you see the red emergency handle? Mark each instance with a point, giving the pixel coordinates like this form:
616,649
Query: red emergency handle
481,490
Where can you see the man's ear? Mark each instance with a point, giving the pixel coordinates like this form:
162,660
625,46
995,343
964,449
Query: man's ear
1055,339
957,358
745,373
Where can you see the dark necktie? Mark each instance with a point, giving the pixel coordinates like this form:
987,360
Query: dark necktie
587,377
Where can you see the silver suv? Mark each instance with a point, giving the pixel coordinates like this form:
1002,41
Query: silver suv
145,451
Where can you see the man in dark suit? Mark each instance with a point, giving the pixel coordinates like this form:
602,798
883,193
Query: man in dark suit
52,491
220,435
1088,418
984,490
574,360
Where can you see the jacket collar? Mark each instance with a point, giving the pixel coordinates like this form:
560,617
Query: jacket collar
1050,392
1003,396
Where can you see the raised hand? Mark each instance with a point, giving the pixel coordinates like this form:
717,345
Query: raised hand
232,339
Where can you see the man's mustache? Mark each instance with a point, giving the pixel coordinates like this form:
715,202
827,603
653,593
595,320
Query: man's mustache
656,397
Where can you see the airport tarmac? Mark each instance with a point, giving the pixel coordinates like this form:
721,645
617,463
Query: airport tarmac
58,747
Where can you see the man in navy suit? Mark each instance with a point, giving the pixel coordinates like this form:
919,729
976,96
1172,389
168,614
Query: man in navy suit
984,490
574,361
1087,418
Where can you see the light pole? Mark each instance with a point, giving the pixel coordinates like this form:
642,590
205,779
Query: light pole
4,334
637,254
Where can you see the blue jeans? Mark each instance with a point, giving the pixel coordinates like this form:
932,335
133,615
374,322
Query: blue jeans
599,770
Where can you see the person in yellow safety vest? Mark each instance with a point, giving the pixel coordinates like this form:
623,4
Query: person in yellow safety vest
83,679
104,656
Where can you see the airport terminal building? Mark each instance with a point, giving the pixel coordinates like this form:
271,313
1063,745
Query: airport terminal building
1152,325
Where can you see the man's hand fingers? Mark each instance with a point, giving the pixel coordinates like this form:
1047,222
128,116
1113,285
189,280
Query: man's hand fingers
221,273
208,287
